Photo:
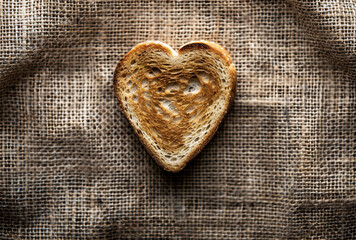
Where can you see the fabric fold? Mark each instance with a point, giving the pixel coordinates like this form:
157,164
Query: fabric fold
332,26
34,35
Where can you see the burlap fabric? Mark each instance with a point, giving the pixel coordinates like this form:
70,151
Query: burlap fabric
281,166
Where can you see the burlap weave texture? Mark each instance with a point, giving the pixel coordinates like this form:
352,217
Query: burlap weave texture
281,166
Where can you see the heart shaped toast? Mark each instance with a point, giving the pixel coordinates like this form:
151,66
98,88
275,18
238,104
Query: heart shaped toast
175,101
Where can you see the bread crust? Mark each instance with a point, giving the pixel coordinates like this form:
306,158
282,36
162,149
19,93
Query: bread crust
191,46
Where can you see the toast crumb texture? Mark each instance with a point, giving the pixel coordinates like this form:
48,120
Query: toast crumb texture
175,101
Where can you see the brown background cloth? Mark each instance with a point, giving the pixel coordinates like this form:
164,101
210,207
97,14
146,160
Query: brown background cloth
281,166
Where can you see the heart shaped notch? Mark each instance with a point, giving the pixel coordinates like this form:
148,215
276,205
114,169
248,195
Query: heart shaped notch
175,101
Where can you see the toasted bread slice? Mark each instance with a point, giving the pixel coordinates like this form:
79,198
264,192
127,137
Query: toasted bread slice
175,101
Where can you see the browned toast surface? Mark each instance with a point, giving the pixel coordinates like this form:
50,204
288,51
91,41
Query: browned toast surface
175,101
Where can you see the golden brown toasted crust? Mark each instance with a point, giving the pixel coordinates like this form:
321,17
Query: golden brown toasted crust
218,49
153,121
